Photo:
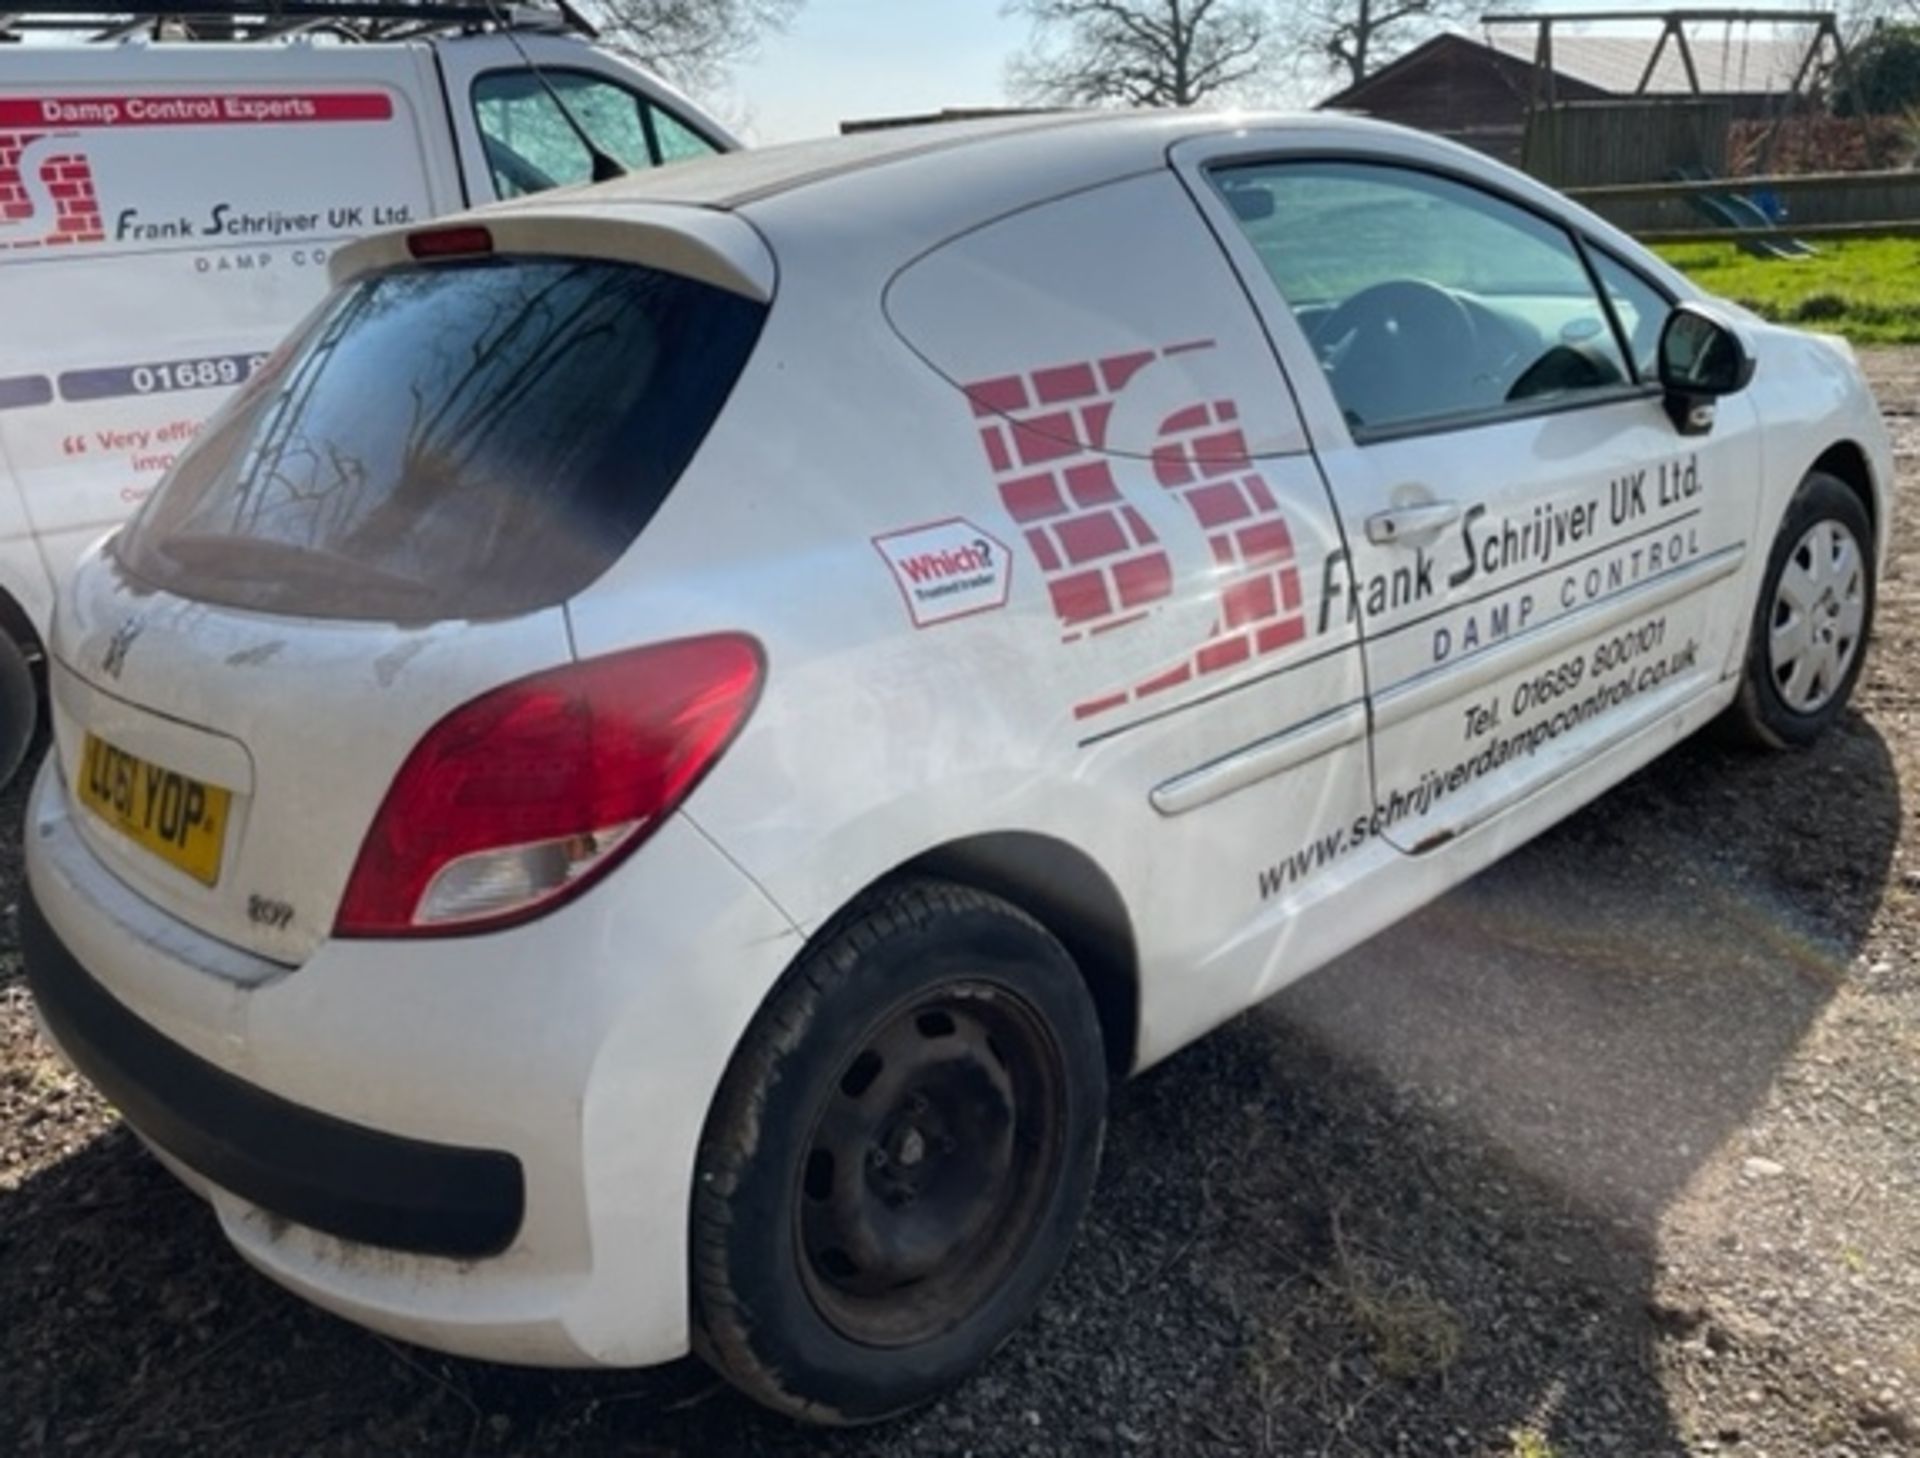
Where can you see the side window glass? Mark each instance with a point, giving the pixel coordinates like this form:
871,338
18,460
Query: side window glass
678,142
1425,300
530,144
1640,307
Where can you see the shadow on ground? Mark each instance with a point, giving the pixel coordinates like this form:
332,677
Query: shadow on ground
1408,1207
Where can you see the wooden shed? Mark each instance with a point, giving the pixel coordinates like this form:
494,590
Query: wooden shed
1477,92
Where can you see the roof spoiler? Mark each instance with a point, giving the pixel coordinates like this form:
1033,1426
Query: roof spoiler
713,247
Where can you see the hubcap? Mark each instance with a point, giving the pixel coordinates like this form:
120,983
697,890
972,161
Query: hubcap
1819,609
930,1165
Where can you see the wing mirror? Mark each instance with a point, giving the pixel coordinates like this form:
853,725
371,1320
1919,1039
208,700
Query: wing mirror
1701,359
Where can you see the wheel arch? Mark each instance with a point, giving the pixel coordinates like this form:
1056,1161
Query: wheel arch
1066,891
1845,461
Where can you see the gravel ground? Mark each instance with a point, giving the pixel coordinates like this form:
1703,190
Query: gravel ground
1616,1150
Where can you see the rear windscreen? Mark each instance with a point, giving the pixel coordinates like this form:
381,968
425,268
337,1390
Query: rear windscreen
471,440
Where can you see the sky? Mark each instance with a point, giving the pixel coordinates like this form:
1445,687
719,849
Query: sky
853,58
842,59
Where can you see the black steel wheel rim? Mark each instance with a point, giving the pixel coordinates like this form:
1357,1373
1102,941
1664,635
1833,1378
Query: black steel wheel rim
932,1159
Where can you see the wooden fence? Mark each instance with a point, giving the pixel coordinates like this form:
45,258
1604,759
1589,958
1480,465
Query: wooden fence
1582,143
1816,205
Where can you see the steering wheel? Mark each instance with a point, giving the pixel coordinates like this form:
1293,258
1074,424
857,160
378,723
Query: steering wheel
1399,350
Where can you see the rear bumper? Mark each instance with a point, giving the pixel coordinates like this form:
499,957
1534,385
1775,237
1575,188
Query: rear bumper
326,1173
483,1144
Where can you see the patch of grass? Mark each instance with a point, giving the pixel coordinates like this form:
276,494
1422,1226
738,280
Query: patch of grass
1412,1333
45,1075
1528,1443
1865,288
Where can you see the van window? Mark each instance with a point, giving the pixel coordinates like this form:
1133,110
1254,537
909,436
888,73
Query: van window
677,141
450,441
531,146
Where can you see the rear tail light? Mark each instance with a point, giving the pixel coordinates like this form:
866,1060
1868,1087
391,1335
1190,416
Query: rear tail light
521,798
460,241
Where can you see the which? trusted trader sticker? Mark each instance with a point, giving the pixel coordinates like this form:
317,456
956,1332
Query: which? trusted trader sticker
947,569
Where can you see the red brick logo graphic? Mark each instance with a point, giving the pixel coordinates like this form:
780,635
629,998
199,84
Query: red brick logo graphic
47,197
1045,436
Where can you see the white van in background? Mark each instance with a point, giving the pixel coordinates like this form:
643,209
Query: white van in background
168,206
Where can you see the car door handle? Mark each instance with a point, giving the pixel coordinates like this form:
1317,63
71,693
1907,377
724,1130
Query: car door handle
1405,523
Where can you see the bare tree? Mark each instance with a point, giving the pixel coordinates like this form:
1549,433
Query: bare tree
1139,52
1357,37
692,41
1859,17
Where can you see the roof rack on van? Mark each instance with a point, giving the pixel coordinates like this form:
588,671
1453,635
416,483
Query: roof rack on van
261,20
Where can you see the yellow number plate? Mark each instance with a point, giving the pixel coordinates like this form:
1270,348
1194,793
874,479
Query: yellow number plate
180,820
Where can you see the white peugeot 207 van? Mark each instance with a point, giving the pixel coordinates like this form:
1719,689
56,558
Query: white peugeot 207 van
168,209
636,786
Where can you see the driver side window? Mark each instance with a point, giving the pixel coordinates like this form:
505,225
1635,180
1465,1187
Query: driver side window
1425,300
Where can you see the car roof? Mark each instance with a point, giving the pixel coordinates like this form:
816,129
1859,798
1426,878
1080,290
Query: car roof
873,201
1041,154
737,179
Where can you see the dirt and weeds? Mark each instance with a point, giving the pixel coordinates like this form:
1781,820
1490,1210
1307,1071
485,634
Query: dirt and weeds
1616,1150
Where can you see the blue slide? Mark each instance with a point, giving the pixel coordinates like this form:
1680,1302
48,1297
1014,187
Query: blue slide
1734,210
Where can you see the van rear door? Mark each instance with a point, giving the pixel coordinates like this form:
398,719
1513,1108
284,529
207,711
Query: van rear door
166,216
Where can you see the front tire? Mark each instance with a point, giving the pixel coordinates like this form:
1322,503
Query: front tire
898,1157
1812,619
19,708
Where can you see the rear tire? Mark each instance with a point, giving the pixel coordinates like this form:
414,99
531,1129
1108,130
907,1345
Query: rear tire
19,708
898,1157
1811,622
